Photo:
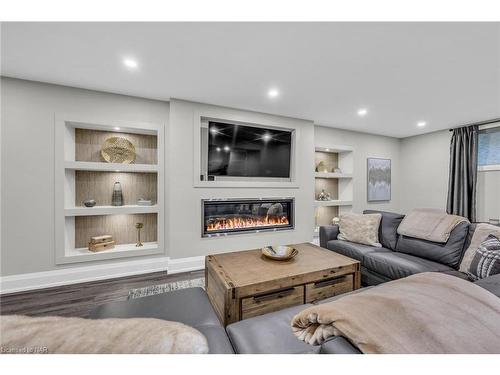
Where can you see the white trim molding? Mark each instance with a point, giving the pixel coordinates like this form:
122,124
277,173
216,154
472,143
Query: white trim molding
75,275
186,264
490,167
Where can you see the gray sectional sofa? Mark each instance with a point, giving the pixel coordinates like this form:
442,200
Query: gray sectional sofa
271,333
400,256
266,334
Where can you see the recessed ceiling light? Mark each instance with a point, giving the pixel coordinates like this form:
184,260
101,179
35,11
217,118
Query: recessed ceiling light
226,148
421,124
116,128
130,63
218,149
362,112
273,93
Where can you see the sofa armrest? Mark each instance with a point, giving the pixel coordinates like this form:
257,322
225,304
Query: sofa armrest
327,233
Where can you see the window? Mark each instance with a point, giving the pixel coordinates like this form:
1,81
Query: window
489,149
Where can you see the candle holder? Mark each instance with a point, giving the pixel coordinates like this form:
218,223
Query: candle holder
139,226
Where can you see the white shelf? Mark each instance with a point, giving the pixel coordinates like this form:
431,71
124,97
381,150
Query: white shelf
109,167
335,149
332,203
110,210
119,251
332,175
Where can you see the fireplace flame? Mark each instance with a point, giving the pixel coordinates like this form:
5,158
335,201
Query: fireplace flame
223,223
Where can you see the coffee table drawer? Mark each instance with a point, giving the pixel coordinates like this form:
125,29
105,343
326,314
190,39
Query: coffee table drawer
328,288
272,301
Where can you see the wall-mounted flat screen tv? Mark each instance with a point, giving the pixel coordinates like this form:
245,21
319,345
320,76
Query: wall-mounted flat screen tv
247,151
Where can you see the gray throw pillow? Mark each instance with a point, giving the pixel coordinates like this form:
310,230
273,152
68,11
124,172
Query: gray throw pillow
486,261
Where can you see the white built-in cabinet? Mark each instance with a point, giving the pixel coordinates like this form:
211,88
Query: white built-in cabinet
77,177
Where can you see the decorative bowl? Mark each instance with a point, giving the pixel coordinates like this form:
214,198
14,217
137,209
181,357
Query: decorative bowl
89,203
279,252
118,150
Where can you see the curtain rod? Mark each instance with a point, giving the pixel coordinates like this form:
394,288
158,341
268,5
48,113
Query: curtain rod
492,121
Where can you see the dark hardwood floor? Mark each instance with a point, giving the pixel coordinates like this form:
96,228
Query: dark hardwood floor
80,299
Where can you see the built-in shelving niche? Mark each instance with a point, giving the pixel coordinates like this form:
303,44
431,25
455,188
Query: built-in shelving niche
82,173
336,179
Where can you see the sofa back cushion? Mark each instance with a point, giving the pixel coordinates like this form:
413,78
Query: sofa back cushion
387,232
449,253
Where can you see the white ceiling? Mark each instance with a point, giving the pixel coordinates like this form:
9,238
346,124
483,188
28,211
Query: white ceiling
444,73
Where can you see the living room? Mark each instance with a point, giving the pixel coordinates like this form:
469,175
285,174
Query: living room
248,190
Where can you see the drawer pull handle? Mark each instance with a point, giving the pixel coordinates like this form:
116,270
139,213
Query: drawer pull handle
274,295
324,283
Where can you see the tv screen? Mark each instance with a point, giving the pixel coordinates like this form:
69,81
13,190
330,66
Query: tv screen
247,151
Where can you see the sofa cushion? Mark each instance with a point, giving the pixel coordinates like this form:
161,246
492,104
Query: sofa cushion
448,253
491,284
189,306
269,334
218,342
397,265
352,250
460,275
370,277
338,345
387,232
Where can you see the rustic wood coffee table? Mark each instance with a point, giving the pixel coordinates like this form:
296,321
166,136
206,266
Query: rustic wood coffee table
244,284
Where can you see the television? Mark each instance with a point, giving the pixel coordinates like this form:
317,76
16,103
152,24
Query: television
246,151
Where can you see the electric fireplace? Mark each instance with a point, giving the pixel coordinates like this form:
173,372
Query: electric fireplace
221,217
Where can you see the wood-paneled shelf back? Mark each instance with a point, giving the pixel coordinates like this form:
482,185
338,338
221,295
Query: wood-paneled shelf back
89,143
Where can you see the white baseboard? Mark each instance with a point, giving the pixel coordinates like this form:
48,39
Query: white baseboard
186,264
74,275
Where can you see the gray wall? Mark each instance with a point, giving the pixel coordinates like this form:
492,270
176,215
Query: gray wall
27,173
424,176
365,146
419,171
185,200
424,172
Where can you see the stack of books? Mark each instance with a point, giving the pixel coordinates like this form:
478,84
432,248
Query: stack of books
100,243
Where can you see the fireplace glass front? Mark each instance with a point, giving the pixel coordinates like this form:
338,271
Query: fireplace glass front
229,216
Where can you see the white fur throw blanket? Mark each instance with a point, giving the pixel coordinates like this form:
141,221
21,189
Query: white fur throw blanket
424,313
429,224
22,334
